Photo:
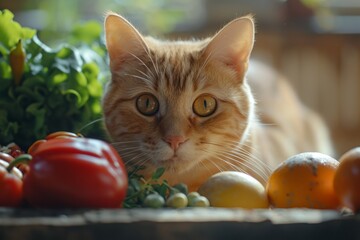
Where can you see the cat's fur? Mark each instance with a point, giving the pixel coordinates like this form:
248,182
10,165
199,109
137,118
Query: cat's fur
258,123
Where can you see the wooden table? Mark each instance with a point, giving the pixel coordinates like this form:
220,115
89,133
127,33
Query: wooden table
196,223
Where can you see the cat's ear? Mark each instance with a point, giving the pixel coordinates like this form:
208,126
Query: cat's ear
233,44
123,41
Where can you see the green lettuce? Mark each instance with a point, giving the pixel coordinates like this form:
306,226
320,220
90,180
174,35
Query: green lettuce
60,89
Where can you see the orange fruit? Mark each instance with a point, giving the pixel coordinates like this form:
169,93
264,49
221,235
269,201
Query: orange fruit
304,180
230,189
347,179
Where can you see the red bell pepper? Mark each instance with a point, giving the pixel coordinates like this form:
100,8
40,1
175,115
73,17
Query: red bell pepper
58,134
11,185
75,173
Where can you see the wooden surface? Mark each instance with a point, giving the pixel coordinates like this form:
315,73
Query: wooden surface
177,224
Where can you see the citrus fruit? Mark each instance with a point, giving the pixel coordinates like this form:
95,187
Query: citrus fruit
232,189
304,180
347,179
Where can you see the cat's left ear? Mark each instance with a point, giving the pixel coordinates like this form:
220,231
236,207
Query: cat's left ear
233,44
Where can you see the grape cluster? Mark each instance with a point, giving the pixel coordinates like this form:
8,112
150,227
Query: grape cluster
153,193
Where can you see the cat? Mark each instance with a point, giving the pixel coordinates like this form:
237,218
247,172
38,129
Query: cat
199,107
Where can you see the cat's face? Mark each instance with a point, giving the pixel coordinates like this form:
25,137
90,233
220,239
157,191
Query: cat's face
181,105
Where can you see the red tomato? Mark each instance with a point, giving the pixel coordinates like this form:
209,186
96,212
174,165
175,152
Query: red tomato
75,173
24,168
11,192
6,157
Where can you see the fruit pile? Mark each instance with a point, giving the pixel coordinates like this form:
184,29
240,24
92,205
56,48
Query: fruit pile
306,180
66,170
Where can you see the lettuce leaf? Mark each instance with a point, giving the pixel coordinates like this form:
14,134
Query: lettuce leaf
11,31
60,89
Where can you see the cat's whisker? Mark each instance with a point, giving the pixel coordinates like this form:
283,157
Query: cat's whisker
137,159
126,154
213,163
248,164
202,164
123,148
144,74
124,142
246,160
205,63
144,64
229,159
259,162
223,160
156,66
239,148
90,123
127,148
137,165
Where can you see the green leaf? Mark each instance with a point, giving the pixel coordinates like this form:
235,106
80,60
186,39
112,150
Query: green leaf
162,189
8,128
158,173
135,184
5,69
33,81
11,32
38,112
54,100
72,96
5,75
58,78
94,88
91,70
182,188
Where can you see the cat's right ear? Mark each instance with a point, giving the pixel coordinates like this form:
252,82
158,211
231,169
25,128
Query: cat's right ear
123,41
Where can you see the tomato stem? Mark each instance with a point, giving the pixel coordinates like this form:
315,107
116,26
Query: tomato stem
23,158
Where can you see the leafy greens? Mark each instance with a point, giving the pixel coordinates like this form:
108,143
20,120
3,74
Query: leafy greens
60,88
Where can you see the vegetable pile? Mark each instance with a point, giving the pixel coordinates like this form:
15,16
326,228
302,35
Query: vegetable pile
66,170
45,89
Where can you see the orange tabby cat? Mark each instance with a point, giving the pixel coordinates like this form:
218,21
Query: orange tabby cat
200,107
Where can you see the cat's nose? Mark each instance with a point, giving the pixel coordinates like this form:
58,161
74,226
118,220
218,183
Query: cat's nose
175,141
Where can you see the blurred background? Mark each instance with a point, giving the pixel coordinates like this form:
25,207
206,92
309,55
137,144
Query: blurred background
314,43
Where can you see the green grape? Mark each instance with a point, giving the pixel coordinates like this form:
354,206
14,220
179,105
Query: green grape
199,201
177,200
192,195
154,200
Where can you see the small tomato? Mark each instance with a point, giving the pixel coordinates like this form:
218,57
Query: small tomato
11,192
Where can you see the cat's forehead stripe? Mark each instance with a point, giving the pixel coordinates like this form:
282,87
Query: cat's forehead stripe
175,68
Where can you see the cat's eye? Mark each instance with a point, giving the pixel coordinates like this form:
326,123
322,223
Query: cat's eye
147,104
204,105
